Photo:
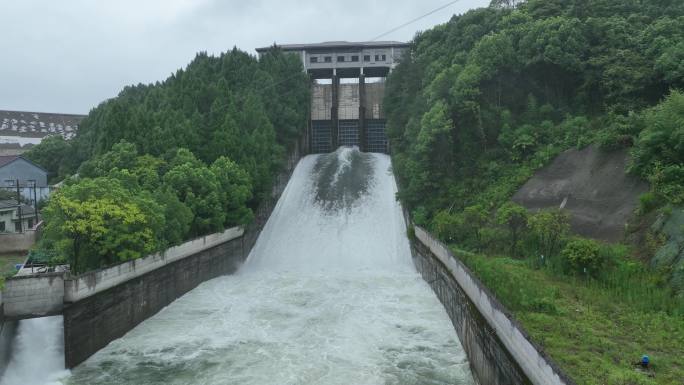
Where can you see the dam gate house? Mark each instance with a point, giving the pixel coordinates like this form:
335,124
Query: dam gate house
347,89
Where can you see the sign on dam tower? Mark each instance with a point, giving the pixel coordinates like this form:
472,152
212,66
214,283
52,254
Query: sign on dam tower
347,89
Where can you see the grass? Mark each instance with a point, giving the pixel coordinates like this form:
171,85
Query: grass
593,331
7,263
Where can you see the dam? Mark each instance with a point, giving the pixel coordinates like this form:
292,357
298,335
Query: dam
347,90
328,295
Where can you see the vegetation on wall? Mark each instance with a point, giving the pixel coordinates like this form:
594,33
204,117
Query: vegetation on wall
486,99
165,162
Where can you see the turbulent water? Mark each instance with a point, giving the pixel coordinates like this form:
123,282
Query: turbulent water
38,356
327,296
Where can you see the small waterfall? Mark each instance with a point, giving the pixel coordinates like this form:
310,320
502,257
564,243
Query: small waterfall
38,353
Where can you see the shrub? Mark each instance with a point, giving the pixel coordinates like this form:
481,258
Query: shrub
448,226
475,219
494,240
648,202
420,216
549,229
668,182
620,130
583,256
514,217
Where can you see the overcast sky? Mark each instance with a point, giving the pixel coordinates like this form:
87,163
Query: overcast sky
69,55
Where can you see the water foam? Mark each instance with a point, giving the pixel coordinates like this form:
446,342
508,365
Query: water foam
38,356
327,296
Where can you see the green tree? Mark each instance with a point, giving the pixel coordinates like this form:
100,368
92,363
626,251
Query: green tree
514,217
97,222
549,228
235,190
54,154
198,188
178,217
583,256
432,149
476,217
122,156
659,152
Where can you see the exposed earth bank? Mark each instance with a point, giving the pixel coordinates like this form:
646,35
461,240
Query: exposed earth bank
592,185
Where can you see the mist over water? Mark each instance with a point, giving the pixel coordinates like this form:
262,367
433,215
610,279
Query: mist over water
38,353
328,295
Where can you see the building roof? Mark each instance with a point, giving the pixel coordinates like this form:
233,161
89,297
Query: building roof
38,124
338,44
26,210
7,159
7,204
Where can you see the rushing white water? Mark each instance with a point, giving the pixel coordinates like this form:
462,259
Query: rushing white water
327,296
38,353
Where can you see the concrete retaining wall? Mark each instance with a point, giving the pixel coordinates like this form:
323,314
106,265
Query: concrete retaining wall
96,320
18,242
499,350
86,285
33,296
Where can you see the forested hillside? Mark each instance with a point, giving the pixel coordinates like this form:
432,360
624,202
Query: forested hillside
488,98
498,87
165,162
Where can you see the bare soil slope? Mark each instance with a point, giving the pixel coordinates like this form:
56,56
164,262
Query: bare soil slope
601,197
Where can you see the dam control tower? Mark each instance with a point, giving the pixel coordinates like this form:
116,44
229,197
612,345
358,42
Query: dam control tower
347,89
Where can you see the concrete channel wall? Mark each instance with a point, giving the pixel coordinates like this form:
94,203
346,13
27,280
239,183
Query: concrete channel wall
499,350
95,320
33,296
86,285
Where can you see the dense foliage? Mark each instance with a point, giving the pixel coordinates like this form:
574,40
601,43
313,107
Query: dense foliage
168,161
486,99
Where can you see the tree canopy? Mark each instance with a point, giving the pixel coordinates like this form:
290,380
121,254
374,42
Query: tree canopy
165,162
481,101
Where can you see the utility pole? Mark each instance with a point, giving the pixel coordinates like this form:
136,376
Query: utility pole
21,225
35,197
21,219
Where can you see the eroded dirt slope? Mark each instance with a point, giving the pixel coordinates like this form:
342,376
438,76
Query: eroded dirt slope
601,197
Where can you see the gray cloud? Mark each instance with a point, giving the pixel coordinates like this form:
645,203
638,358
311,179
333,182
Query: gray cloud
68,56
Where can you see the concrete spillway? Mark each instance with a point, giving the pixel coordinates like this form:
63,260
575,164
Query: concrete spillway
328,295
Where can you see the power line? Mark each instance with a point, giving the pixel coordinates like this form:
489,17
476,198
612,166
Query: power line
414,20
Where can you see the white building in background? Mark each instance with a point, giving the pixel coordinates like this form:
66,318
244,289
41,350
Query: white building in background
15,218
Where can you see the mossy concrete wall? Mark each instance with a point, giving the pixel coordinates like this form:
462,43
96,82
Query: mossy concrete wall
498,349
93,322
